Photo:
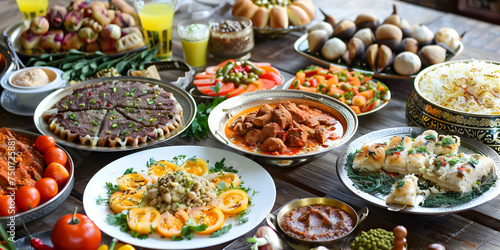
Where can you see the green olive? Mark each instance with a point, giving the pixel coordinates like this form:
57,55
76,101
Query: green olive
336,95
346,87
232,74
362,89
306,84
251,80
239,74
342,78
322,86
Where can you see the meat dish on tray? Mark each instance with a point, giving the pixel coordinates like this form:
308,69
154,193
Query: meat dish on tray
283,129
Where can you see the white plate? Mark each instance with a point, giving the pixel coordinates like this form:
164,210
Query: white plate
467,146
10,103
251,173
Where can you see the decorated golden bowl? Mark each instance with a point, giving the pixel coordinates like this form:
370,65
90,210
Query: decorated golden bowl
424,112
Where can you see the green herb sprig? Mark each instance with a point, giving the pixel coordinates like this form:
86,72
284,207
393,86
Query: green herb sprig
187,232
79,66
199,127
111,189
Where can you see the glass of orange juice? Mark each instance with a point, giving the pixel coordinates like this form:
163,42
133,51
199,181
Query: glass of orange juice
156,20
194,38
32,8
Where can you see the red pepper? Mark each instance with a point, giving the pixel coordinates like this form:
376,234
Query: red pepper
461,168
248,68
90,93
313,82
355,90
36,242
99,102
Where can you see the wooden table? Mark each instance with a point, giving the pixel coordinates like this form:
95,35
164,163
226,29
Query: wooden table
475,228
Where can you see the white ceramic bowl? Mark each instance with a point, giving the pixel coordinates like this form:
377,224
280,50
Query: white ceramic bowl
30,97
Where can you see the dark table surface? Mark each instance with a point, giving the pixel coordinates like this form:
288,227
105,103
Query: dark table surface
471,229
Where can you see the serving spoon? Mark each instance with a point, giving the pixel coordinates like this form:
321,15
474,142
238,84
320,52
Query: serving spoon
17,61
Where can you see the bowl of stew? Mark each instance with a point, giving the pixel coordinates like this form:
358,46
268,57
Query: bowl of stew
283,128
304,221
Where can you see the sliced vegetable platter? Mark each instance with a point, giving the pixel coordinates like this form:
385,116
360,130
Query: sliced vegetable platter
363,94
253,175
233,78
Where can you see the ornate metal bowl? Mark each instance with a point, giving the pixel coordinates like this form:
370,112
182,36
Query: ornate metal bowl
221,115
422,112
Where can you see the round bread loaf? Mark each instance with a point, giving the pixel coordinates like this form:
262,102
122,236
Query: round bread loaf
297,16
261,17
279,18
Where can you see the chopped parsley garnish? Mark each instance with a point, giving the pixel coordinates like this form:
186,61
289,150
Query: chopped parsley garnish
150,102
400,184
114,125
448,141
220,166
223,230
95,123
430,137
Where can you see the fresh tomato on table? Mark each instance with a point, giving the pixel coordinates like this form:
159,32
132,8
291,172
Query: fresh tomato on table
75,232
237,77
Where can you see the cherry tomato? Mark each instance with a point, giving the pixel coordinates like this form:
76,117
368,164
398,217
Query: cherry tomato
8,206
44,142
47,187
57,172
75,232
27,197
55,154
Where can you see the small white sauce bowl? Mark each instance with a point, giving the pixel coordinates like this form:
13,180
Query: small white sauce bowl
30,97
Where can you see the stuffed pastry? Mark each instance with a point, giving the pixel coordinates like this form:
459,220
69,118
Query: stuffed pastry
404,191
397,154
371,157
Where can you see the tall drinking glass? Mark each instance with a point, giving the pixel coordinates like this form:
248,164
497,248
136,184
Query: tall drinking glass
194,38
156,19
32,8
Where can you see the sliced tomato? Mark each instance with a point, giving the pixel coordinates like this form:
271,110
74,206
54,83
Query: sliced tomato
270,69
226,88
204,82
207,90
203,75
238,91
262,64
211,70
222,64
271,76
268,84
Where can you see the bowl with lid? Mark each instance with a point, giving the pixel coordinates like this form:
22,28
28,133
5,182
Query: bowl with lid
32,84
462,97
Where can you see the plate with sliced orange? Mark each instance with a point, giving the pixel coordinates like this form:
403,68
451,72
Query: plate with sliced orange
159,198
232,78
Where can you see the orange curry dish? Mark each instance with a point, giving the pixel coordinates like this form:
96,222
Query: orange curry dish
283,129
20,163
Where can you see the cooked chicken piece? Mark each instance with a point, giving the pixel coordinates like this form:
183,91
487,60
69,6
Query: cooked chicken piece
281,116
264,109
311,122
270,130
240,119
303,107
272,144
250,117
243,128
297,137
298,115
261,121
252,137
320,134
283,135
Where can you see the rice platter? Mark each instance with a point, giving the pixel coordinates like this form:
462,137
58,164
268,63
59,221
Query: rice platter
472,87
462,97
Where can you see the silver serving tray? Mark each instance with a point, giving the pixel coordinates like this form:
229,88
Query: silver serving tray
301,46
468,146
14,32
231,107
379,107
48,206
186,101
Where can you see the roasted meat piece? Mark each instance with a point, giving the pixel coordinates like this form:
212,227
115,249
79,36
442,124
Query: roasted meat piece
272,144
264,109
270,130
320,134
298,115
261,121
252,137
281,116
242,128
297,136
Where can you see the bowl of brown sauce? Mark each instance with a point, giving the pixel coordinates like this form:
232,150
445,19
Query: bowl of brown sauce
316,221
283,128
